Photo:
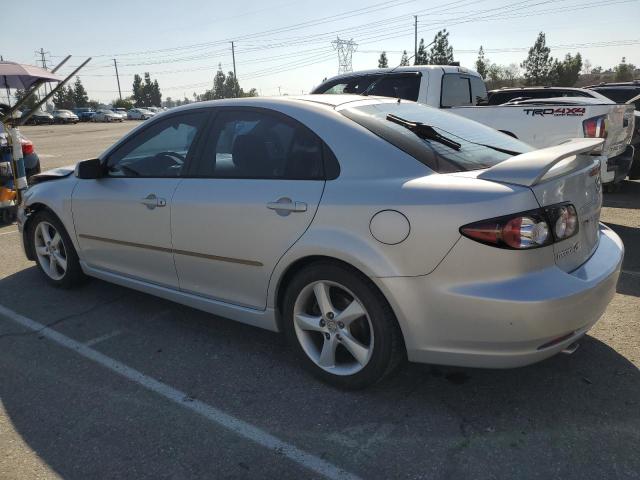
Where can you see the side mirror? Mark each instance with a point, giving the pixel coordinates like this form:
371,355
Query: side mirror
89,169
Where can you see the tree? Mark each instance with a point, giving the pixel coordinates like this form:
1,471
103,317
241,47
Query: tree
231,88
147,90
441,52
539,63
382,61
511,74
80,97
421,56
122,103
566,72
495,74
251,93
169,103
624,71
64,98
31,102
155,95
404,61
218,83
138,91
93,104
482,64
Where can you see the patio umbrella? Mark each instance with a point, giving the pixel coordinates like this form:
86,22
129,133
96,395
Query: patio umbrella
16,75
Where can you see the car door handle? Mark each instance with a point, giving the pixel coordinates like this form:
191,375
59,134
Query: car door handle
151,201
284,206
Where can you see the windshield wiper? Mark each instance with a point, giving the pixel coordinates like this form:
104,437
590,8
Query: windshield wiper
424,131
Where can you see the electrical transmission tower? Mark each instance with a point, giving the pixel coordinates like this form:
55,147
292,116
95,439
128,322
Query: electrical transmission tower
345,50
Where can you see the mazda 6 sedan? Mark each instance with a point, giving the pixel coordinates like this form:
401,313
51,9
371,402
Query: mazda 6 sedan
368,230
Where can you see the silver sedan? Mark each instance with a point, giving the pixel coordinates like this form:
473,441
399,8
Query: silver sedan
368,230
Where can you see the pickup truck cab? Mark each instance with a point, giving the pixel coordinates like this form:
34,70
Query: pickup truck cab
538,122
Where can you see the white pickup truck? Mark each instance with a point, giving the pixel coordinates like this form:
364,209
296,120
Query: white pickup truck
538,122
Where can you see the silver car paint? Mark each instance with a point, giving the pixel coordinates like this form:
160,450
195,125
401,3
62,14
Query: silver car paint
441,287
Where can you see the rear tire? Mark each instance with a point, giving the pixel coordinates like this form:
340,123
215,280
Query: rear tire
55,254
341,327
634,172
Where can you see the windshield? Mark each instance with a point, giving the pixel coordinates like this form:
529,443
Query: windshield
479,146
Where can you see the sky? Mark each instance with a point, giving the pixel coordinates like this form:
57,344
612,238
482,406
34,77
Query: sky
285,46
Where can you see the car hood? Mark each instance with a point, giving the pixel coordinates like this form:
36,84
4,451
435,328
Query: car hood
54,174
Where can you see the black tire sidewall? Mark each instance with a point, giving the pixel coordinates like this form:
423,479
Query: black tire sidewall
385,329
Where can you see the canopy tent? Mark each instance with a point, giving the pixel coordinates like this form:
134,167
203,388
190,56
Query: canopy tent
17,75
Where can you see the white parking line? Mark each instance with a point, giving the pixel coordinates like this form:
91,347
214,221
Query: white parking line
102,338
237,426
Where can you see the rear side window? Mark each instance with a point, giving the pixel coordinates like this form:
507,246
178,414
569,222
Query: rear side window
456,91
480,146
260,145
478,91
403,85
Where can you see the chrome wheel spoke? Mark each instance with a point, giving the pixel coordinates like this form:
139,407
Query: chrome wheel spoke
55,240
52,265
44,230
355,348
353,311
42,251
321,291
308,322
328,354
60,260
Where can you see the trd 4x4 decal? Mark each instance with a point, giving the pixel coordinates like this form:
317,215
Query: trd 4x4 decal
556,112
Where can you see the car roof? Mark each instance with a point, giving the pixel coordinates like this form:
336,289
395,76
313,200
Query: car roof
304,101
526,89
403,69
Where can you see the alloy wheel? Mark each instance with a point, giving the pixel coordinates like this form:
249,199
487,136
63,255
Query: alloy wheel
50,250
333,328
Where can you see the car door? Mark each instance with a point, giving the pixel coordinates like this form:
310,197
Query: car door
254,191
123,220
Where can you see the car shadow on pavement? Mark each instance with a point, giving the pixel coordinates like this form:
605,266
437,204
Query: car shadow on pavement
628,196
572,416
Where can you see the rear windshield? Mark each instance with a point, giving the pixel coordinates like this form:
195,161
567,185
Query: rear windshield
480,146
403,85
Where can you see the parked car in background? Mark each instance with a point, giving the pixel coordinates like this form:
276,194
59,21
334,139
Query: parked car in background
122,112
105,115
538,122
65,116
620,92
84,113
507,94
40,118
311,214
31,159
139,114
155,109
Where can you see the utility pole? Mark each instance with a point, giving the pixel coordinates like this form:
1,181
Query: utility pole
235,75
415,36
279,93
115,64
42,54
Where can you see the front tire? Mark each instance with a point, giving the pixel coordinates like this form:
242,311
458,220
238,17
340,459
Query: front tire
55,254
341,327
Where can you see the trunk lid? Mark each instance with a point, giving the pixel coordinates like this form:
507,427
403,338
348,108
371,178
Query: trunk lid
566,173
579,185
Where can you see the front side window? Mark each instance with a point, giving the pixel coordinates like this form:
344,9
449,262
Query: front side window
158,151
456,91
260,145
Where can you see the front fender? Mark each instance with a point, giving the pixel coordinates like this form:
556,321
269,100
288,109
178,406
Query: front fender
54,195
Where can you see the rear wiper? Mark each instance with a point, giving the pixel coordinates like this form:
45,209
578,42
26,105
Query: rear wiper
424,131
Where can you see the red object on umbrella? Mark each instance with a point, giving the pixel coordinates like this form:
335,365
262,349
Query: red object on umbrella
17,75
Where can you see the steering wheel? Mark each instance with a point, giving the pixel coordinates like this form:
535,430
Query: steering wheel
176,157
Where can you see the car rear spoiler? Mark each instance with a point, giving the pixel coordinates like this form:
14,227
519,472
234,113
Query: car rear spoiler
527,169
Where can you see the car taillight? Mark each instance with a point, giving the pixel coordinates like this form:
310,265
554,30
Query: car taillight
27,147
522,231
595,127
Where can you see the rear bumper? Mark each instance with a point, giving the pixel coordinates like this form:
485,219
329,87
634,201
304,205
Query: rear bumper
618,167
449,319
